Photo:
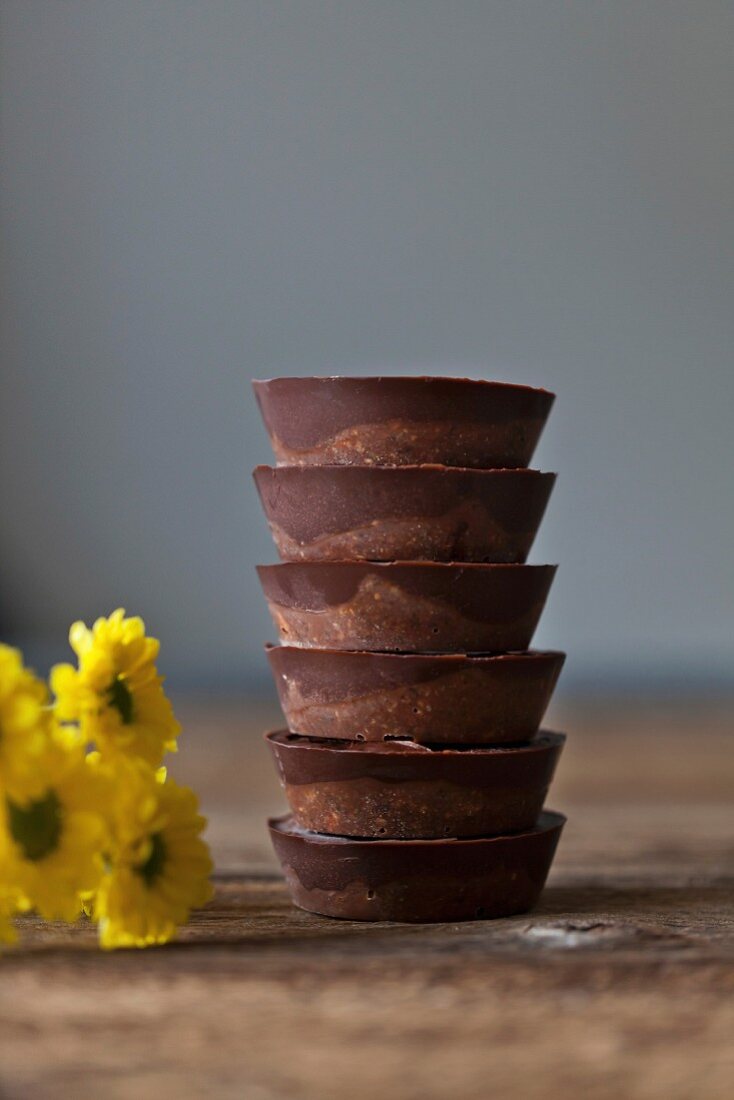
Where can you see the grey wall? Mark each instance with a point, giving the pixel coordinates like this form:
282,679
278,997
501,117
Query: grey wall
196,193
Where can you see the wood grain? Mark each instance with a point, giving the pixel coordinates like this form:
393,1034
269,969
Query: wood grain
620,985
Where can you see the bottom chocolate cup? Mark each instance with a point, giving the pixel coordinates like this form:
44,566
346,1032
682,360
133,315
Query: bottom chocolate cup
399,790
416,880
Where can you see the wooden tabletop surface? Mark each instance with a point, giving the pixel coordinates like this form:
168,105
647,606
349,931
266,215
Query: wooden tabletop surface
619,985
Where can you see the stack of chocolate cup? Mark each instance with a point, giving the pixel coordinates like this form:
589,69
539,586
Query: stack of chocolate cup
403,511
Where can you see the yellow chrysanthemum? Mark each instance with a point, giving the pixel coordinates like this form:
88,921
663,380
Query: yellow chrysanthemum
9,904
159,866
25,722
116,693
52,844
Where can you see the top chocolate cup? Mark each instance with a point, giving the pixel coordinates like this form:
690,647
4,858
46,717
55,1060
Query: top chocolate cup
402,513
386,421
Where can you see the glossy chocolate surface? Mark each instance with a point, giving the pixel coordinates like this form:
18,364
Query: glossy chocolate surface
378,513
430,698
401,421
416,880
400,790
316,760
406,606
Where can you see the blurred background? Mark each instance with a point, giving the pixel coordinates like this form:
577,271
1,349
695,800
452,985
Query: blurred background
196,194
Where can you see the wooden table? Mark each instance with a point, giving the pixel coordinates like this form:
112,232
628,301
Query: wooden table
620,985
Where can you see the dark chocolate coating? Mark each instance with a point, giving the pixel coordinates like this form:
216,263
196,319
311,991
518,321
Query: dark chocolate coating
406,606
408,513
388,421
416,880
428,698
402,790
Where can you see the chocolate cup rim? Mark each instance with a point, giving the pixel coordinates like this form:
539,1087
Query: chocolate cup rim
549,821
358,563
429,467
524,655
402,378
542,741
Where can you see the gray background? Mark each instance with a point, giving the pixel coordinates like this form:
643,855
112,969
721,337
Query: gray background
195,194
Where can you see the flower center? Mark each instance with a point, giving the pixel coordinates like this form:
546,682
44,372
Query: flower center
36,828
154,864
121,699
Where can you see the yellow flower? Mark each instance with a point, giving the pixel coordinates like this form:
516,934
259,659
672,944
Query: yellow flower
51,843
9,904
116,693
159,865
25,722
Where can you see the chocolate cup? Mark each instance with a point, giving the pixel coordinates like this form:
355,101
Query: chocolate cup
401,421
400,790
408,513
408,607
439,698
416,880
